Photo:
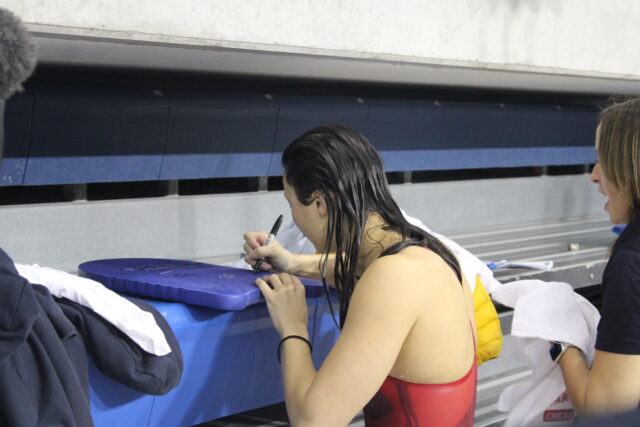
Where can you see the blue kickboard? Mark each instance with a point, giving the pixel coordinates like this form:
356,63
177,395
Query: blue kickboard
197,283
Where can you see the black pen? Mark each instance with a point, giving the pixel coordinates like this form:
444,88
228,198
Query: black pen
270,239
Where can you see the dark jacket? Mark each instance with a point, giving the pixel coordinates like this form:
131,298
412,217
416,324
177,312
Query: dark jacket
44,345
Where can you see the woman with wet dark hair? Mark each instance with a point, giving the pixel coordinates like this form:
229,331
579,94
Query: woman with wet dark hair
406,353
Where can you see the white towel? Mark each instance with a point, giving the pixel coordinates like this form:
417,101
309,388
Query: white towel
294,240
470,265
543,312
134,322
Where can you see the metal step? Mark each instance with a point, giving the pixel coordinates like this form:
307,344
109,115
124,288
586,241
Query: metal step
579,248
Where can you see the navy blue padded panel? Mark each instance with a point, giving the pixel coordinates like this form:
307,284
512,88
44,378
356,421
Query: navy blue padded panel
299,114
535,125
485,135
472,125
426,135
404,130
479,158
17,122
96,134
493,125
579,125
217,135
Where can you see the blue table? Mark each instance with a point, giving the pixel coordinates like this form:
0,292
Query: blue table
230,366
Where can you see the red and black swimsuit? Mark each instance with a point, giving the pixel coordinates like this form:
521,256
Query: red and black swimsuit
401,403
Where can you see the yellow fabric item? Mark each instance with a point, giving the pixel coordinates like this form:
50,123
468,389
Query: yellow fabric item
487,323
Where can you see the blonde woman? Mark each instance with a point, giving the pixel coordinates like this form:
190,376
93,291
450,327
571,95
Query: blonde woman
612,383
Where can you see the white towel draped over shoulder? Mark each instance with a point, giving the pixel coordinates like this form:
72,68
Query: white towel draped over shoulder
134,322
543,312
470,265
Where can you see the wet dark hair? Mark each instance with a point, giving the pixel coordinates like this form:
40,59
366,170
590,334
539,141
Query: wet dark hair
341,165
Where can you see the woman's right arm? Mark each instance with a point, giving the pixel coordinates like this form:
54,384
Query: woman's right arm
278,259
613,382
611,386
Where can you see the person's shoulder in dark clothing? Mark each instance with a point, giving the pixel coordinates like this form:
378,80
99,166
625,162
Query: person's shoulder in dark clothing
629,419
19,308
630,236
42,359
619,327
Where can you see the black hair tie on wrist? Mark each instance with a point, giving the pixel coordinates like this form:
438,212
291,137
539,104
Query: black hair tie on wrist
292,336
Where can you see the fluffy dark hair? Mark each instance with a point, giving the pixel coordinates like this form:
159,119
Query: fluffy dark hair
18,54
346,169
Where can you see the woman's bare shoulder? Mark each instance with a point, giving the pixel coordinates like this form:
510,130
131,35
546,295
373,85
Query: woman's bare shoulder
412,258
413,266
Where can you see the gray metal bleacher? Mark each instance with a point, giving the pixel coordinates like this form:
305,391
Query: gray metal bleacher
577,246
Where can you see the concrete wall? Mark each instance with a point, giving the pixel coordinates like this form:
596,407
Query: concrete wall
589,36
580,38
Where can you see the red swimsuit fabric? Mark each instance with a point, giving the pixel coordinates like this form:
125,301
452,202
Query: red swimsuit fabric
400,403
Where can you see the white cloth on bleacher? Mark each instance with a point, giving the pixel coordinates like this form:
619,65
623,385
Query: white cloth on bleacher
134,322
543,312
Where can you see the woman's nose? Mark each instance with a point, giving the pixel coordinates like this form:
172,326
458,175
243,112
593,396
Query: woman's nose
595,173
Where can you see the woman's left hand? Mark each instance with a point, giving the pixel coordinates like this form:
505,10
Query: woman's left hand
286,302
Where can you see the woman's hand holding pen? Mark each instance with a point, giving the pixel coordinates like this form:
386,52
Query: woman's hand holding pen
276,258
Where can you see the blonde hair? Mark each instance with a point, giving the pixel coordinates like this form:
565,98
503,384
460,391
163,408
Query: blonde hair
619,149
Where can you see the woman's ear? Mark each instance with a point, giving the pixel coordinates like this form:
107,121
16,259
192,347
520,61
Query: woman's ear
319,203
